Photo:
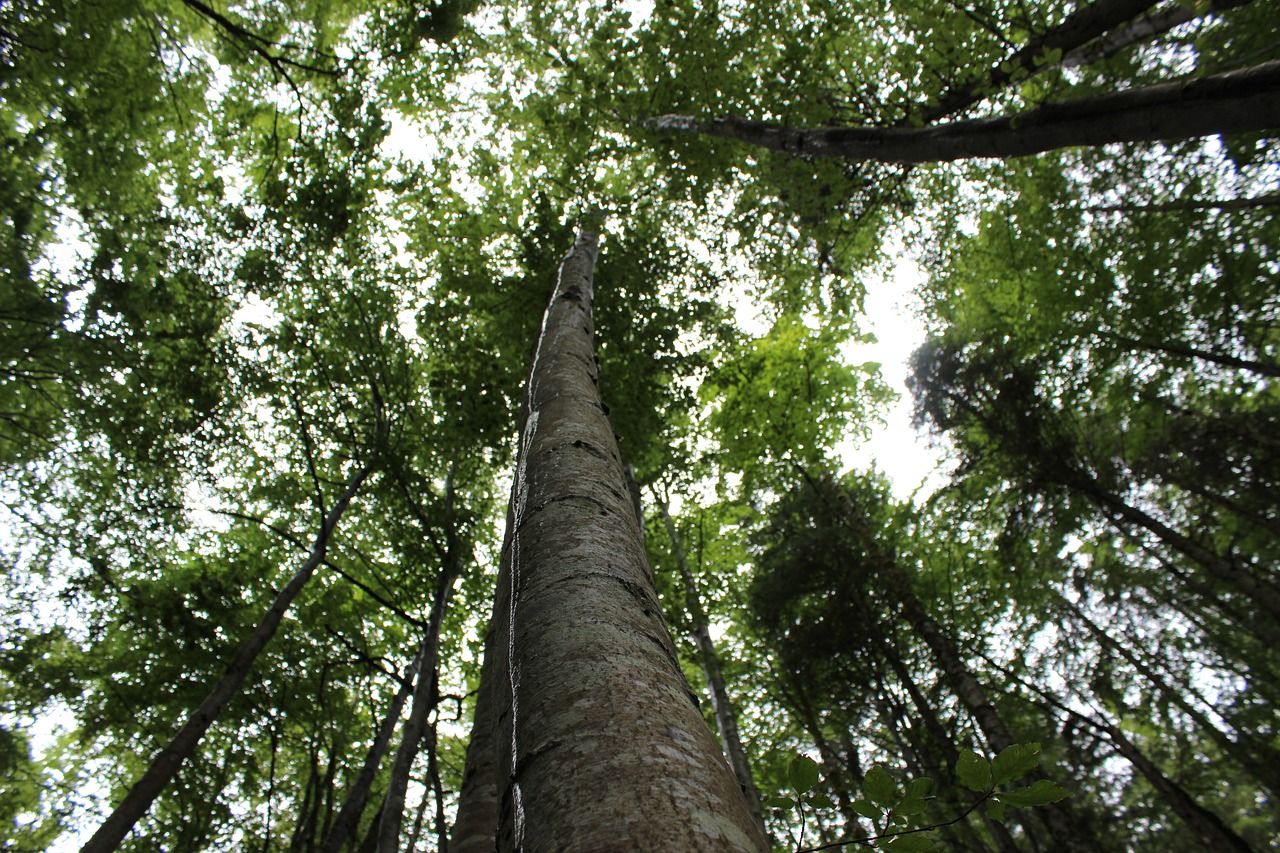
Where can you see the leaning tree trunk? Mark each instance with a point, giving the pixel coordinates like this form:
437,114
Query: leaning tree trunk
1085,24
721,705
1241,101
1209,830
601,744
1262,591
170,759
1068,831
1257,757
424,700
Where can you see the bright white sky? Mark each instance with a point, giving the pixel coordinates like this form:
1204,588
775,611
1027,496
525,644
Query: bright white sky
896,449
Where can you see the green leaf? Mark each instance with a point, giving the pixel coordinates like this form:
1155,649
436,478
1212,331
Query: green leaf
780,802
973,771
1014,762
995,809
919,788
867,809
803,773
914,843
821,800
1039,794
879,787
913,801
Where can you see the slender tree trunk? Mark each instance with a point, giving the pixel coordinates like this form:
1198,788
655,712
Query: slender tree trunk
721,705
1187,351
1234,102
1067,832
1260,760
424,700
169,760
475,828
601,744
843,779
1189,205
1206,826
1264,593
358,795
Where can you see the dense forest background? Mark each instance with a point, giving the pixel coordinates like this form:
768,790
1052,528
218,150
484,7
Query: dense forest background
272,276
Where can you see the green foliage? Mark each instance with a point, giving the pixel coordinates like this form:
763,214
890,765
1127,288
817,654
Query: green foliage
897,811
244,252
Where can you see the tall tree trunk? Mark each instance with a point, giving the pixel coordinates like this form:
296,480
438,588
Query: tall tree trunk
1141,29
1258,758
601,744
1259,590
1068,832
1233,102
424,700
358,795
721,704
169,760
1185,350
1207,827
941,737
422,669
475,828
843,780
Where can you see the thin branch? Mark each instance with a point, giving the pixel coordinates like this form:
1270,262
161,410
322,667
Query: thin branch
259,45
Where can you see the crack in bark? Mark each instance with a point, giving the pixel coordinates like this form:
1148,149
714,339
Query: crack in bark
584,445
638,591
605,509
523,761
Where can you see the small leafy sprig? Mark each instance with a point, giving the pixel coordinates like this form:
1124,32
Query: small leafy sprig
896,812
803,776
1013,763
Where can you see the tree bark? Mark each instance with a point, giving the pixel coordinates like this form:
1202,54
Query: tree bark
1234,102
1080,27
721,704
424,700
1186,350
475,828
169,760
1157,22
1207,827
601,744
1265,594
358,796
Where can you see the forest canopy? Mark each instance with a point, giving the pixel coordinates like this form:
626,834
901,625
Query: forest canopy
294,362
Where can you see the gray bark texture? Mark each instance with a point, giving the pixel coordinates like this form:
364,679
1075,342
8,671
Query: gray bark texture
1234,102
475,827
600,743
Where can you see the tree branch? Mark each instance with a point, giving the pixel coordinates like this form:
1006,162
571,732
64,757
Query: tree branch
1233,102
